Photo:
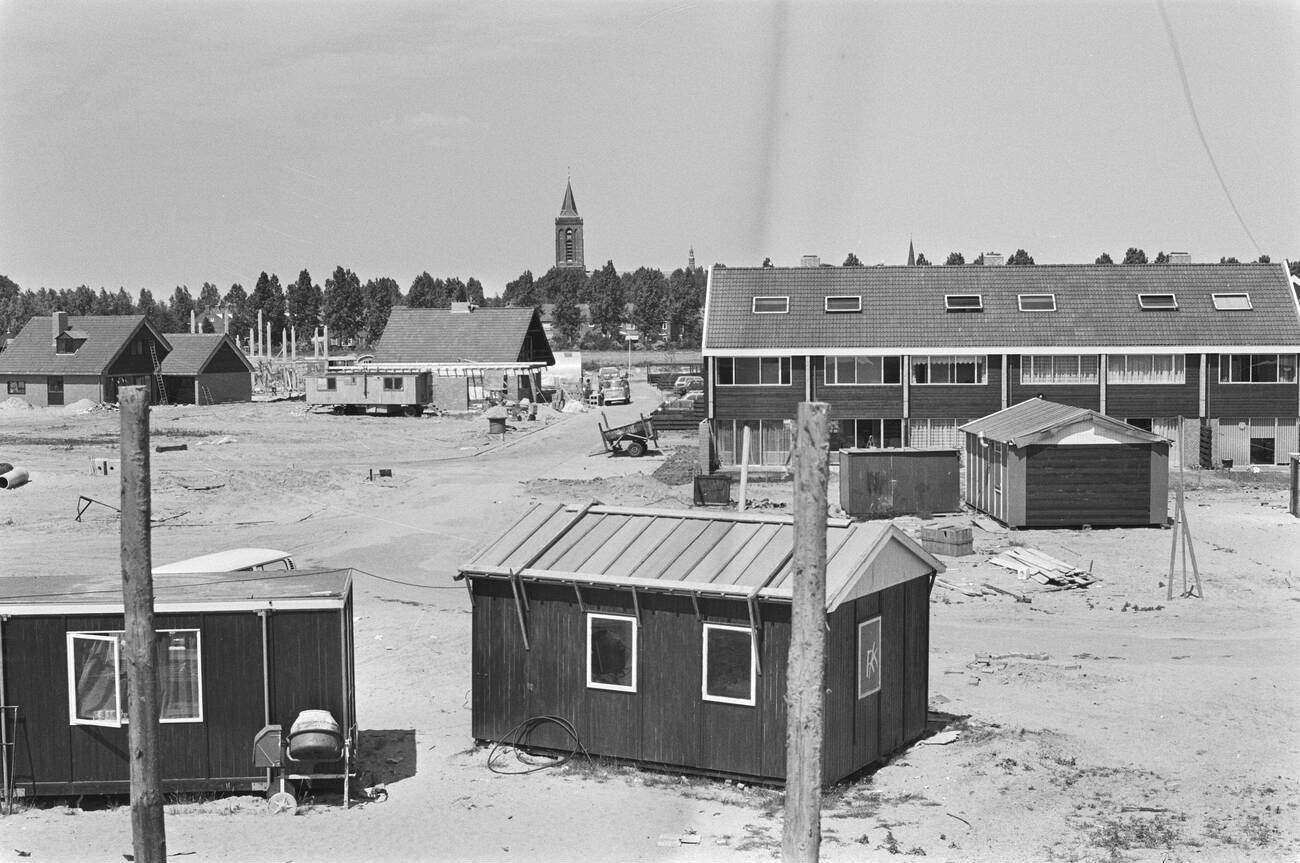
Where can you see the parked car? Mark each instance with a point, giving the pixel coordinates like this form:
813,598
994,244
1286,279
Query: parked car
688,383
615,390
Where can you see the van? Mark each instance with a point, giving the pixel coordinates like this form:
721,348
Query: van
231,560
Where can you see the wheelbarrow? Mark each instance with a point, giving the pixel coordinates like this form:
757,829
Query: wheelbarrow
635,437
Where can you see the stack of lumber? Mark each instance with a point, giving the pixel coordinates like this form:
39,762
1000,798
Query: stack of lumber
950,540
1030,563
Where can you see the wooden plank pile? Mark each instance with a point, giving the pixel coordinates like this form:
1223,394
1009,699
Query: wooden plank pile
1030,563
949,540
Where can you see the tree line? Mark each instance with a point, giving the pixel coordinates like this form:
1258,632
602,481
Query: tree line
1134,256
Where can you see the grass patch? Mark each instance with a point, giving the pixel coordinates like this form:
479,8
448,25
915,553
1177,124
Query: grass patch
1115,835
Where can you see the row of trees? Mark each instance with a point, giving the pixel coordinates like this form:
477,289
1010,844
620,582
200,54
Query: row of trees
1132,257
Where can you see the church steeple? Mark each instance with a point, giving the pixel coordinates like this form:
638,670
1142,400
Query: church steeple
568,233
911,253
690,262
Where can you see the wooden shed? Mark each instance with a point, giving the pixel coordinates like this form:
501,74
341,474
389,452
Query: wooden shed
1043,464
883,483
237,651
662,636
205,369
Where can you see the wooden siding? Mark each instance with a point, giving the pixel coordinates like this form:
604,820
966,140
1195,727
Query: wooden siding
1158,400
1248,400
225,387
856,402
1101,484
947,401
761,402
886,483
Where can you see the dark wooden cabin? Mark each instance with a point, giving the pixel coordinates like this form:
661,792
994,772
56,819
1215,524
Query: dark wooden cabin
242,650
883,483
662,636
1043,464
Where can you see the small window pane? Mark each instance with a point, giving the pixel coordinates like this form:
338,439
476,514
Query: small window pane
1232,302
1263,368
611,652
1037,302
868,657
844,304
963,302
1286,368
1157,301
94,672
771,305
728,664
179,675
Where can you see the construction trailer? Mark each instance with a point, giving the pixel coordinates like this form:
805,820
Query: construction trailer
412,388
662,636
237,651
1043,464
883,483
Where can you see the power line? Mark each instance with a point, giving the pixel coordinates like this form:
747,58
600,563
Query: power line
1196,121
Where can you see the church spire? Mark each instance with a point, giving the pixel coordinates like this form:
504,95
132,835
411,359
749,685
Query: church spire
568,208
568,233
911,253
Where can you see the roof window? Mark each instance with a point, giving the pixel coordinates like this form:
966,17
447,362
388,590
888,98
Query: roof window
850,303
963,302
1037,302
1158,302
771,305
1232,302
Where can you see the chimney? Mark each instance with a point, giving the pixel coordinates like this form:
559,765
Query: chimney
1180,257
463,308
994,259
192,322
810,261
60,321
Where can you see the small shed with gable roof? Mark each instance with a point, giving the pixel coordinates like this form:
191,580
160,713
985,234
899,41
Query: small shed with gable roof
1043,464
206,368
662,635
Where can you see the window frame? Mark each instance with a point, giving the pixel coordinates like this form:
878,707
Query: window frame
831,361
394,384
949,304
1027,361
981,363
636,637
17,388
1113,378
785,371
1225,363
753,665
754,309
827,304
117,637
1228,296
880,652
1152,303
1020,302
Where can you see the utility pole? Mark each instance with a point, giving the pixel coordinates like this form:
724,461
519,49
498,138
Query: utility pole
148,836
806,667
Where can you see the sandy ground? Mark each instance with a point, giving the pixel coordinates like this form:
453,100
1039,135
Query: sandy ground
1128,727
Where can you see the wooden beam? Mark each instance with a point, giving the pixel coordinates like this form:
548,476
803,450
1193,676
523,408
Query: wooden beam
744,468
806,667
148,833
515,588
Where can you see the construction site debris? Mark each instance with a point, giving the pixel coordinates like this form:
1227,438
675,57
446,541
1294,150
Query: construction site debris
13,478
171,447
1029,563
105,466
947,540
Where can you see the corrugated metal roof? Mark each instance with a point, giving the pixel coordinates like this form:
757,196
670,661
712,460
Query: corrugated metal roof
1021,422
742,555
446,336
191,352
101,592
1096,306
32,351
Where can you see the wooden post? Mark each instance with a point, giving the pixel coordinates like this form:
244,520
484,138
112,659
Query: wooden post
806,667
149,839
744,468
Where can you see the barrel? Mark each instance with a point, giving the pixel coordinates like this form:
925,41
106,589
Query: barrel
315,736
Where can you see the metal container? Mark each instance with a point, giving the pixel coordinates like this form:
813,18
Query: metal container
315,736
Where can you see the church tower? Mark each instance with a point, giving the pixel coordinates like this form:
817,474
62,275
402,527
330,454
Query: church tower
568,234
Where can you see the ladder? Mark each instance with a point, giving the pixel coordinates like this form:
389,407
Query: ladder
157,373
207,394
8,735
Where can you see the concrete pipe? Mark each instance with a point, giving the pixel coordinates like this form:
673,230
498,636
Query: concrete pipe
13,478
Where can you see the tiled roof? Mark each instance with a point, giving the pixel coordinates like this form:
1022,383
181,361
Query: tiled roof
445,336
1021,422
32,352
192,351
1096,306
689,551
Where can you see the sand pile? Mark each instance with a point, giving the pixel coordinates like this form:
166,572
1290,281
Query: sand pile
13,403
81,406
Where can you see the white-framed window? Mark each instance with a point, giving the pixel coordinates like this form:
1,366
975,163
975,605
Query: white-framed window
770,441
1257,368
846,303
392,384
1063,369
97,686
730,664
869,657
17,388
1157,302
950,369
867,433
753,371
611,652
963,302
848,371
1232,302
1146,369
771,305
1037,302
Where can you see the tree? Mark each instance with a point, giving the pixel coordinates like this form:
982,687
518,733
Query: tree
455,291
646,290
1134,256
955,259
180,306
605,288
149,307
378,295
304,302
268,298
1294,266
345,306
558,282
1161,258
474,291
421,293
1264,259
567,319
767,263
921,260
852,261
209,297
1104,258
683,306
1229,261
521,291
1020,259
236,303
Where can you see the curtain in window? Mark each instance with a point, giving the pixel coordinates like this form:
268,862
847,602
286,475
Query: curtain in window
93,671
178,674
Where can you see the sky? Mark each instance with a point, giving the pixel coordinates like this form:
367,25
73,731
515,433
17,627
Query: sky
151,144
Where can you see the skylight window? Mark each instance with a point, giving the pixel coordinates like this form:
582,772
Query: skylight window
851,303
1037,302
1232,302
1158,302
963,302
771,305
